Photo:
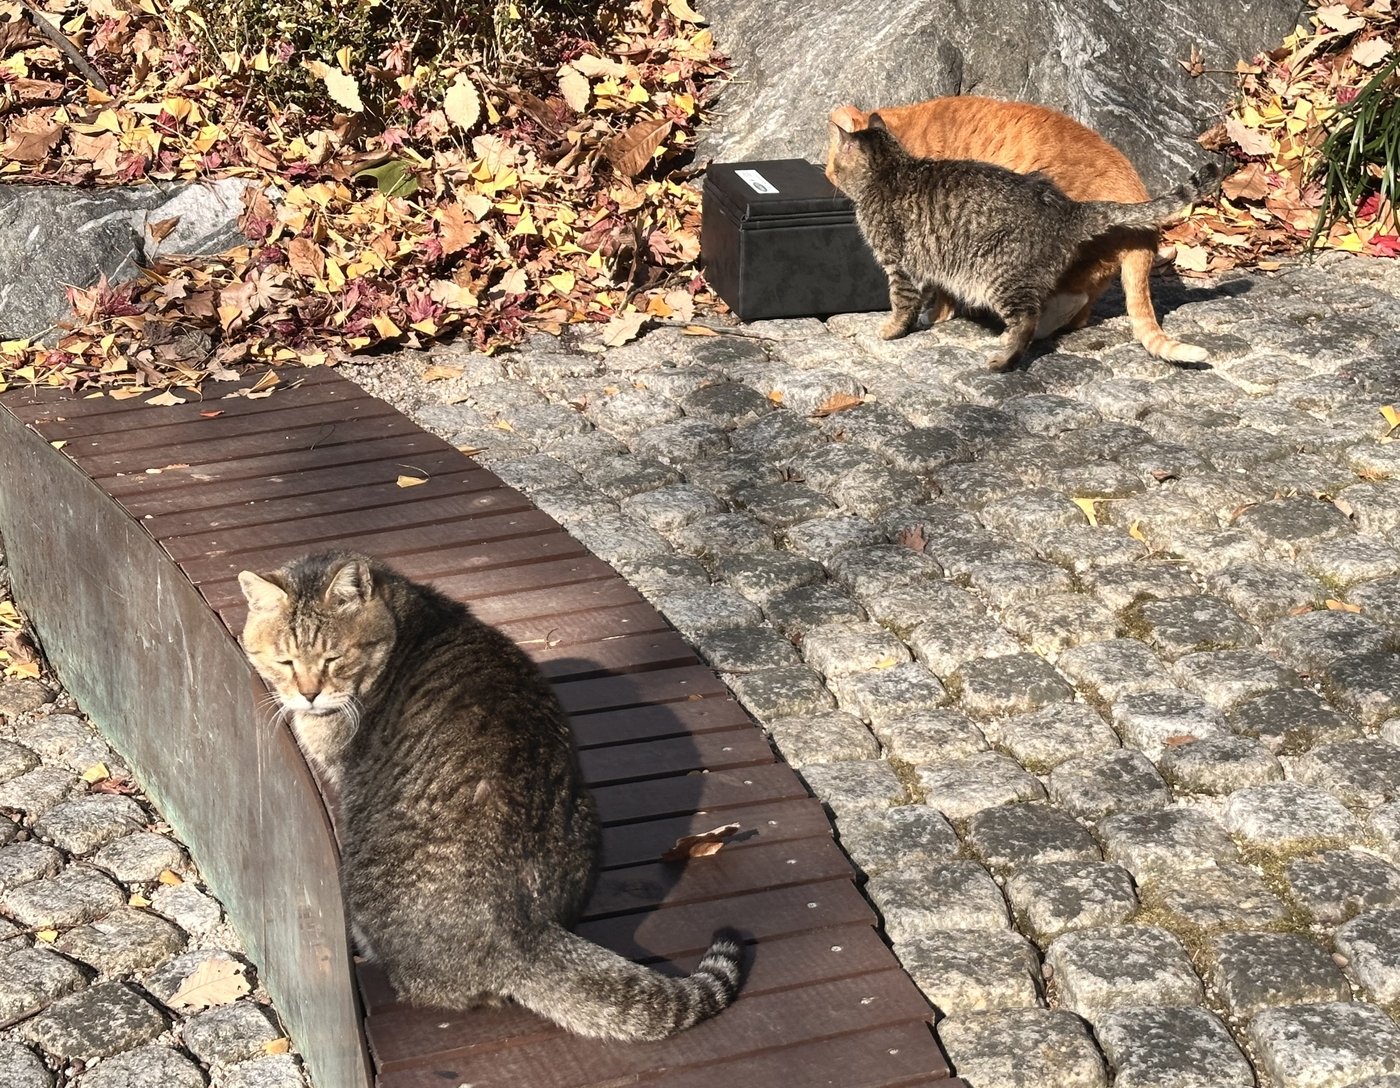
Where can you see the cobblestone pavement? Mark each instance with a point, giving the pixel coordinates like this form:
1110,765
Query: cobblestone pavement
1093,662
117,968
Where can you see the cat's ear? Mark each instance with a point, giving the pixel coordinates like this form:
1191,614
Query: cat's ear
847,118
875,121
351,585
263,594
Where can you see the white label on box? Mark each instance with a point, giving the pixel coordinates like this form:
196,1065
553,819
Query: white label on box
756,181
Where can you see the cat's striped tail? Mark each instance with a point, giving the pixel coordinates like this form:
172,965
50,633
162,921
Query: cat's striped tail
1101,216
586,989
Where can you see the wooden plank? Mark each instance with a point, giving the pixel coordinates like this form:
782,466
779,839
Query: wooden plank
721,876
583,627
640,689
551,605
653,722
622,653
403,1035
46,403
821,1010
674,755
774,821
347,525
187,482
140,416
218,498
92,452
714,792
297,437
387,544
890,1056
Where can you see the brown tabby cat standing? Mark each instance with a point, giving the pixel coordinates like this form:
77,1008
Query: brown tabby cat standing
469,843
985,236
1025,138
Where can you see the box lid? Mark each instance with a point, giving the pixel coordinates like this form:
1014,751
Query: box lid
777,189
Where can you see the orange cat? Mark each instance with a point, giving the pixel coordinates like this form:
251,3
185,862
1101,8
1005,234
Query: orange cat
1025,137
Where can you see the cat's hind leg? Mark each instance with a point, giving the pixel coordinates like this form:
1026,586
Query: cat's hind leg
937,306
905,302
1061,310
1020,330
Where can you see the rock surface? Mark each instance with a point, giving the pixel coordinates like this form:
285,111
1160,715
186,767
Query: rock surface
795,62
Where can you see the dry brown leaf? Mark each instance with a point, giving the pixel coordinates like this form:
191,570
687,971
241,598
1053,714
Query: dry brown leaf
1251,141
912,537
575,88
698,330
700,845
1341,606
161,229
631,152
1250,182
277,1046
1178,739
462,103
1340,18
1371,52
213,982
624,327
411,481
341,86
306,258
837,402
169,876
684,12
440,372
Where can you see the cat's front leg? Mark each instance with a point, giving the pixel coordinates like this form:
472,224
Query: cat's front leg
905,303
937,305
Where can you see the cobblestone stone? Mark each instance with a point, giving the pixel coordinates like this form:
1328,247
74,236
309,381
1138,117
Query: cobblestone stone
1152,721
963,971
1186,625
1365,685
929,737
1264,592
123,942
1043,739
1257,971
1023,1048
951,895
1330,1045
1211,900
1098,785
15,759
32,978
1171,1048
1370,946
1118,967
839,649
785,692
23,862
827,737
1107,671
761,576
699,612
82,825
1340,884
1061,896
854,784
229,1033
1011,837
1362,774
946,643
20,1067
961,788
1291,720
37,791
1225,678
145,1067
1218,766
1153,844
74,896
1313,640
1288,816
796,611
905,838
102,1020
887,694
1011,684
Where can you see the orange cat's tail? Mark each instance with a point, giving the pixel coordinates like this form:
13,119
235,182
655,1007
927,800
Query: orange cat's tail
1136,268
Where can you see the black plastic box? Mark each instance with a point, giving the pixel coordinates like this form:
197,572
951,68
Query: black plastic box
777,239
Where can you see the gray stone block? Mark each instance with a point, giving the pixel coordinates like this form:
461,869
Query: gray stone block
827,737
15,759
1264,592
145,1066
796,611
963,971
1061,896
905,838
1055,622
24,862
761,576
1288,816
823,538
1173,840
713,536
785,692
1005,580
745,649
20,1067
32,978
1098,785
839,649
1257,971
1106,671
713,608
76,895
614,538
124,942
1314,640
1292,720
1340,884
1230,897
1284,526
1362,774
1218,766
38,790
229,1033
961,788
1370,946
1366,686
1325,1046
277,1071
1171,1048
669,508
854,785
906,607
945,643
1010,837
1043,739
1119,967
890,693
1153,721
1225,678
929,736
1011,684
96,1023
951,895
84,824
779,505
1186,625
20,696
1352,559
1023,1048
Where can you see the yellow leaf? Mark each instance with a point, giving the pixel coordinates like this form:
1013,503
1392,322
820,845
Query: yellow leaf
137,900
462,103
1342,606
439,372
703,330
886,663
411,481
96,773
563,282
48,936
1087,505
170,877
342,88
385,327
213,982
277,1046
166,399
1392,417
59,444
684,12
1135,531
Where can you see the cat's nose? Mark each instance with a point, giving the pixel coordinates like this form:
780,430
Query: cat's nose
308,693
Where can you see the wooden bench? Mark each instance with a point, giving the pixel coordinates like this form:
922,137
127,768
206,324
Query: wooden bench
126,525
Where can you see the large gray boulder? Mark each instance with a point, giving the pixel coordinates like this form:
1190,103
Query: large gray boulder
1109,63
56,236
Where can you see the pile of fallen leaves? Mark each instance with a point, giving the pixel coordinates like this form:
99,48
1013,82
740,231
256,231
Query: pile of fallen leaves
1271,205
524,197
18,656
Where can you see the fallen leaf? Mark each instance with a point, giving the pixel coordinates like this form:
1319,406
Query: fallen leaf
277,1046
48,936
213,414
96,773
1392,417
1250,140
776,396
411,481
137,900
684,12
166,399
624,327
1087,505
169,876
1341,606
700,845
1247,183
1135,531
912,537
698,330
837,402
161,229
1178,739
213,982
342,88
462,103
440,372
1371,52
575,88
1340,18
58,444
305,258
630,152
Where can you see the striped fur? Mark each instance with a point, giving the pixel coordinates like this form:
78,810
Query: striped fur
469,843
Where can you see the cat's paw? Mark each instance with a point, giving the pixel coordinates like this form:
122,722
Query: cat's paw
893,328
1001,360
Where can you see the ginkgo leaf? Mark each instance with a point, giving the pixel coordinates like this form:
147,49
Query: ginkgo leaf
213,982
166,399
342,88
1087,505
